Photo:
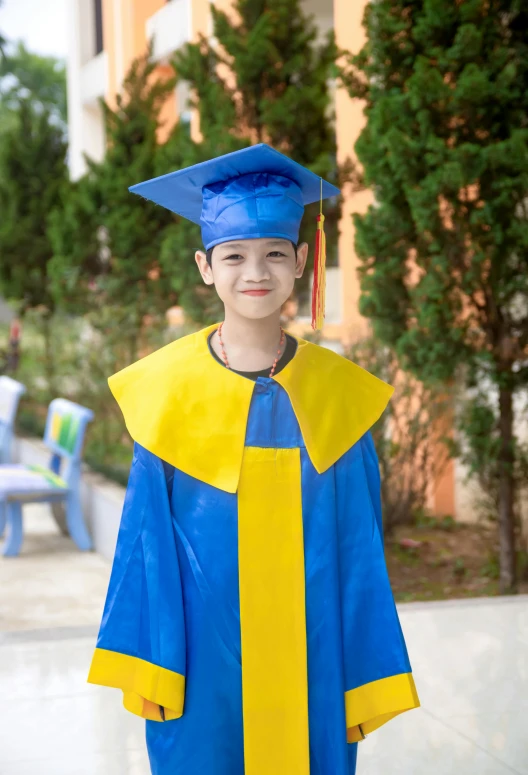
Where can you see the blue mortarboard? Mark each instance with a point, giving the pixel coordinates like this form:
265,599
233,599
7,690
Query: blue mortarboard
255,192
252,193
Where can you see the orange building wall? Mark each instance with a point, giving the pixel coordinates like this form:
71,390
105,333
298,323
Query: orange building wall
126,41
202,25
109,47
349,123
442,500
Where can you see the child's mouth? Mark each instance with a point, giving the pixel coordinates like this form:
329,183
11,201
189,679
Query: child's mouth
261,292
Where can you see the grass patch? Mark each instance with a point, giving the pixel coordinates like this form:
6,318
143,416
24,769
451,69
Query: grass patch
452,561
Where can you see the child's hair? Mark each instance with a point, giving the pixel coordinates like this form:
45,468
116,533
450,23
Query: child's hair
209,253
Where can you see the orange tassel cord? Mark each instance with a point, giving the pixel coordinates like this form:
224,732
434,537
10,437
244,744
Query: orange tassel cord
319,280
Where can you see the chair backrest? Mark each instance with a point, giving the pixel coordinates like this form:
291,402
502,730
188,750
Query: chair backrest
10,392
64,434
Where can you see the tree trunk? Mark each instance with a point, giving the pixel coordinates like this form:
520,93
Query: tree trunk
506,493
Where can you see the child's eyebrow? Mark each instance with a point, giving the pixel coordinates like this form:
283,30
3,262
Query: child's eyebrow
231,245
239,245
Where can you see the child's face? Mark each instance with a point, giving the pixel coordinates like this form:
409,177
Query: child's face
253,277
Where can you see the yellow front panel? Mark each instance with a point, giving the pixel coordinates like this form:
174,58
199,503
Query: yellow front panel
272,613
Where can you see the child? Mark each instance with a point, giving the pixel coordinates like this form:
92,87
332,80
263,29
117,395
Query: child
249,615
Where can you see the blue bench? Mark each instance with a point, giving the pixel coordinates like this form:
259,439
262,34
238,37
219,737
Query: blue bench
58,483
10,393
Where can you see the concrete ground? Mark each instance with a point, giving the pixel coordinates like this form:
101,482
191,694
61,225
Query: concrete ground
470,661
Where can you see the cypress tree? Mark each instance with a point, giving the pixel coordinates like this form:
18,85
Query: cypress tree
24,75
107,241
32,175
444,248
33,172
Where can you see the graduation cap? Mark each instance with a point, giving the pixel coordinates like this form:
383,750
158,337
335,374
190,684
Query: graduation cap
252,193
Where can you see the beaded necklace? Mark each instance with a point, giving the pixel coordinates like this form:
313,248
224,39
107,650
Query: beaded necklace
224,354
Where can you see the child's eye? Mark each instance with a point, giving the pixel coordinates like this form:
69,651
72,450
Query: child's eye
233,256
276,254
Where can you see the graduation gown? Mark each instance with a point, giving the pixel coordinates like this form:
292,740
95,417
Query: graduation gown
249,615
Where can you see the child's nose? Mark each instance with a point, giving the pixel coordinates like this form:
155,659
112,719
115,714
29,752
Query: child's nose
256,272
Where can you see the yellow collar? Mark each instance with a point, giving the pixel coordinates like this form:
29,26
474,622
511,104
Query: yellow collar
188,409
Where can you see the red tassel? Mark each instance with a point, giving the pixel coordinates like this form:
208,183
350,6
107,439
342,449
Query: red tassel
319,280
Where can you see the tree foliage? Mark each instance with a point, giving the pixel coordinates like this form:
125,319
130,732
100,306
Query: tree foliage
444,249
33,172
32,175
40,79
408,437
107,242
29,79
2,40
264,77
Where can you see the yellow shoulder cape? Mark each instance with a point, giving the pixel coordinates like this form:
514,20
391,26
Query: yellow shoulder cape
189,410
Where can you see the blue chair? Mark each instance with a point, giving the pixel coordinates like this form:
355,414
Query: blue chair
64,436
10,393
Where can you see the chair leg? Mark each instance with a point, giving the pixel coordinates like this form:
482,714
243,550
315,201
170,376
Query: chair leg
58,510
75,522
15,532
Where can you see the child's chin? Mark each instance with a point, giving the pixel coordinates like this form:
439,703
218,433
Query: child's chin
256,308
257,314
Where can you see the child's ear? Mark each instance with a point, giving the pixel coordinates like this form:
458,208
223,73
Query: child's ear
302,256
203,266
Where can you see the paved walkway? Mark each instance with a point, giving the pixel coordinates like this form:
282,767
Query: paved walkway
470,661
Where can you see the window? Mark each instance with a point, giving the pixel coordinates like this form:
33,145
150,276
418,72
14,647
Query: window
98,9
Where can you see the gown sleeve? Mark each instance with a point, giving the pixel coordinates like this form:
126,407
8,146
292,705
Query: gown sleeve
141,643
378,679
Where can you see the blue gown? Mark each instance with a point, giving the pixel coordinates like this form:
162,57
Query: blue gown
173,608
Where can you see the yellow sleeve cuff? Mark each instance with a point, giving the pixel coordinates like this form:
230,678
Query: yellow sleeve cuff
372,705
145,686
